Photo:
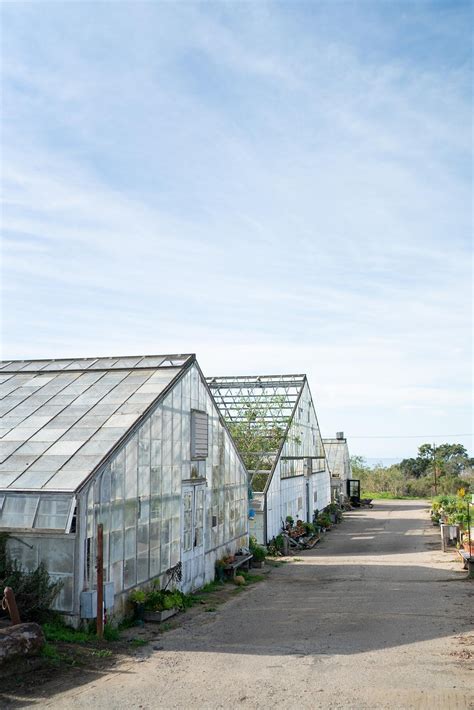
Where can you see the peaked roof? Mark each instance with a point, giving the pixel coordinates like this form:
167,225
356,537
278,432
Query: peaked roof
337,455
269,400
274,395
60,418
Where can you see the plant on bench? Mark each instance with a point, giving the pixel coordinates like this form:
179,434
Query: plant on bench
258,551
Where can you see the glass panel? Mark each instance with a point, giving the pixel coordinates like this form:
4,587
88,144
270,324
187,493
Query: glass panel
53,513
130,573
18,511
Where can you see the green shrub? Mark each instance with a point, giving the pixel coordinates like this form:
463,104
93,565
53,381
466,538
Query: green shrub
275,546
155,599
34,591
323,520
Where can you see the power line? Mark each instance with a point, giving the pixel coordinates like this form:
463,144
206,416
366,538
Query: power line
407,436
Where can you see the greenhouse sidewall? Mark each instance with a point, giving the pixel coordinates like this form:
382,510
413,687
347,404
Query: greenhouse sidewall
287,494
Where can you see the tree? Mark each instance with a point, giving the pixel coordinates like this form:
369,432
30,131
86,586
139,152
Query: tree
414,468
448,459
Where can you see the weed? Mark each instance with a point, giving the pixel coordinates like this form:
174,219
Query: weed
252,578
297,559
102,653
137,643
211,587
59,632
165,627
111,633
211,608
51,653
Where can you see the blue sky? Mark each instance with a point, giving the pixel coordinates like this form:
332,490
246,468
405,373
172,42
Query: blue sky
278,187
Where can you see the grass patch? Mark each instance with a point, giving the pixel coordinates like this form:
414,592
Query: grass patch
138,643
57,632
101,653
111,633
388,496
210,587
252,578
165,627
211,608
51,653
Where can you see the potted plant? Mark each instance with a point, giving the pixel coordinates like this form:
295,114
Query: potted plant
259,553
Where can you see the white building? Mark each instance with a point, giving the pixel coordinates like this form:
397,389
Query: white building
134,443
339,461
274,423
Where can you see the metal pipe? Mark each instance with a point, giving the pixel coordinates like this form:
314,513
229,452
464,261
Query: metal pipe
100,580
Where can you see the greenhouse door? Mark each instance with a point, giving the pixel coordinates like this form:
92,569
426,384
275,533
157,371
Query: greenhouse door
192,538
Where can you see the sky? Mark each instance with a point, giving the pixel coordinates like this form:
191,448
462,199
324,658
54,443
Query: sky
279,187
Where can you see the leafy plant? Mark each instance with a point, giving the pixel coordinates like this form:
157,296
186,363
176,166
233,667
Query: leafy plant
324,520
138,596
258,551
257,439
34,590
155,599
101,653
275,546
111,633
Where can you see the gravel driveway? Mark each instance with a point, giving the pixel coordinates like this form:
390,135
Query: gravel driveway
374,617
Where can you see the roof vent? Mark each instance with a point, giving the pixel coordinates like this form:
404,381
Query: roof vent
339,435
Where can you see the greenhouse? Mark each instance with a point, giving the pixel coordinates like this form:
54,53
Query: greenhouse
136,444
339,461
274,424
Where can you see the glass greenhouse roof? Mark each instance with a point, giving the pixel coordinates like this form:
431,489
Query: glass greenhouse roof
60,418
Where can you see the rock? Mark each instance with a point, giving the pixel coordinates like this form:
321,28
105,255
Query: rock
20,640
239,580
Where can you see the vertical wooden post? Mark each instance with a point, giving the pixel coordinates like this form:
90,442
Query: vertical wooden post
100,580
10,603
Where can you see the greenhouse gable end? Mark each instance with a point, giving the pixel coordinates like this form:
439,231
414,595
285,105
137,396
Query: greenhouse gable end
134,443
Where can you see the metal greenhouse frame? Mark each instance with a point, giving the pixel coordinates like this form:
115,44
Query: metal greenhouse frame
133,444
292,477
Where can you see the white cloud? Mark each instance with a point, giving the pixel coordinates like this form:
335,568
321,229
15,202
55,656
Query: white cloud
273,201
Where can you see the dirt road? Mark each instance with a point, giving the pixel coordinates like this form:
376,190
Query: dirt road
374,617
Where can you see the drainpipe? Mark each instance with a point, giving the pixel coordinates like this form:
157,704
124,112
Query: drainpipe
308,495
265,518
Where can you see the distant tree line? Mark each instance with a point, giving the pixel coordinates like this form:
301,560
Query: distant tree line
442,469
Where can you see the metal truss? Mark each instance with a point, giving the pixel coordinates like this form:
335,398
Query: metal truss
274,397
266,400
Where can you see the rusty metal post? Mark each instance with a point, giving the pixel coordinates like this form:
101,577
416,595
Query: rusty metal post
100,580
10,604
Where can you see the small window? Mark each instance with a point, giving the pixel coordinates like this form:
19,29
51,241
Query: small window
18,511
53,513
199,435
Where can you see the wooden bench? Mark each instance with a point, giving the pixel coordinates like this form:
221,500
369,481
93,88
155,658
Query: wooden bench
240,561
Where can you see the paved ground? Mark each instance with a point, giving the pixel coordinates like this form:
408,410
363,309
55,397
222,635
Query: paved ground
374,617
